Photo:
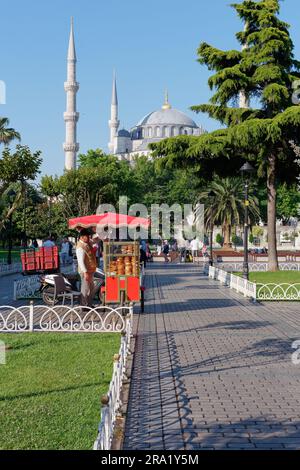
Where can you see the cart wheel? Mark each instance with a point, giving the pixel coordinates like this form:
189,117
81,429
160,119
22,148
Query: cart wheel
48,296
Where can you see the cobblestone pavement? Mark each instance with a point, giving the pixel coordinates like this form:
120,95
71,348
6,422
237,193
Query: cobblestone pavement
211,369
7,290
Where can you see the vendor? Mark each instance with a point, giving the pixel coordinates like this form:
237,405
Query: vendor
86,267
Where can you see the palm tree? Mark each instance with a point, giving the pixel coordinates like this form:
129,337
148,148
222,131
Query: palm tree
224,201
7,134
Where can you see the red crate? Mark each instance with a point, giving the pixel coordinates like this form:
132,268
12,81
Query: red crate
40,259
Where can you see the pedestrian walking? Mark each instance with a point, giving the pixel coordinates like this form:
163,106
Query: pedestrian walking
166,250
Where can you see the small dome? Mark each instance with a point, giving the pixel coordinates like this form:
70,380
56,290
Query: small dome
123,133
167,116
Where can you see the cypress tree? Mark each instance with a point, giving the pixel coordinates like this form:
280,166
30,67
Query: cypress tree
264,73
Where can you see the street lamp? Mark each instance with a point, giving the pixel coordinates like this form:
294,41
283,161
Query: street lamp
24,241
11,197
246,171
211,229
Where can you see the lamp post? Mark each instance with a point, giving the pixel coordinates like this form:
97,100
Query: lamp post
211,229
246,171
11,196
24,242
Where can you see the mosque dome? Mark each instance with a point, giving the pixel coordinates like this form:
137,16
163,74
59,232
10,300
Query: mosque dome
165,122
167,116
123,133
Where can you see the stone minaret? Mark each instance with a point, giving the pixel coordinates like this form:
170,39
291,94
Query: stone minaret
71,116
113,122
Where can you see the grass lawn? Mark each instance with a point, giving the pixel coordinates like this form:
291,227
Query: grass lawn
290,277
15,255
51,387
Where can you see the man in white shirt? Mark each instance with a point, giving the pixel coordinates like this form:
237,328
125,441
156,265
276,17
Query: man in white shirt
86,267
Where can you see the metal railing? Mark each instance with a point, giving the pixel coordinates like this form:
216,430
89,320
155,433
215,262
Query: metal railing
257,267
59,318
283,291
257,291
241,285
111,403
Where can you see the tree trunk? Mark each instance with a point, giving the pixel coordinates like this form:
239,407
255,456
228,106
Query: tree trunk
272,241
227,245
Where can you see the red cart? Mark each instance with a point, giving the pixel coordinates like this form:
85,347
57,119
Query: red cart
40,260
123,276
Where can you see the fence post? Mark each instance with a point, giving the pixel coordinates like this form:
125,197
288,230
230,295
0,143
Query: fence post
15,290
31,316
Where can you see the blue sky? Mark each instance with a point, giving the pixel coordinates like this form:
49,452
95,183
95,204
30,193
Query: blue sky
152,45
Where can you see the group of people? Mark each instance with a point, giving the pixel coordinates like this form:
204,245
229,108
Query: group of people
186,250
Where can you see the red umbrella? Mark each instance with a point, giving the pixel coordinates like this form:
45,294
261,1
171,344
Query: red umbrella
109,219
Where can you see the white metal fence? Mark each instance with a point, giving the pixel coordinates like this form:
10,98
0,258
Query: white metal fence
111,403
101,319
247,288
257,291
283,291
257,267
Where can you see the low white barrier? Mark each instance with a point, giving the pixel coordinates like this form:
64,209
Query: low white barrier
257,267
283,291
111,403
62,318
258,291
247,288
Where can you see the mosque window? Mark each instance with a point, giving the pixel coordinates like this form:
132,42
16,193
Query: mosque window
157,132
150,132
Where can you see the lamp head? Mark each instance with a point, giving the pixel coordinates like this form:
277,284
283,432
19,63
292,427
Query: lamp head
247,169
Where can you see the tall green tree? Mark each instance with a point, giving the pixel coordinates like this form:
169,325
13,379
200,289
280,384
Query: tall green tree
223,199
19,166
7,134
264,72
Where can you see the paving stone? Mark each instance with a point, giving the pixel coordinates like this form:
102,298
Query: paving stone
217,361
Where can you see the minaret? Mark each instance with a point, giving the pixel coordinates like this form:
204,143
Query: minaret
113,122
71,116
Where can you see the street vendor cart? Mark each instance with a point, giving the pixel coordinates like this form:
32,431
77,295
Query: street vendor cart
123,272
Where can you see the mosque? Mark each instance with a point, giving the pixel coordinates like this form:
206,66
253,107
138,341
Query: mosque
125,144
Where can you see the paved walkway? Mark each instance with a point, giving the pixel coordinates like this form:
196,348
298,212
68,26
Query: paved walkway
212,370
